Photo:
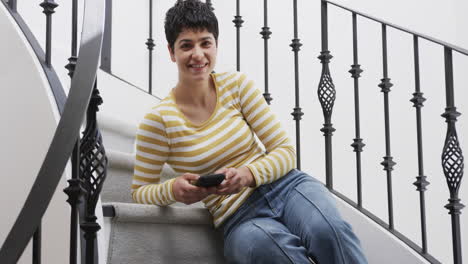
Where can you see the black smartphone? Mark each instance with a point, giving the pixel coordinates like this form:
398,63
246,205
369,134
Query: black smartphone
210,180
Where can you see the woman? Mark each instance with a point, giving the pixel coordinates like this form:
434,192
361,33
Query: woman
269,211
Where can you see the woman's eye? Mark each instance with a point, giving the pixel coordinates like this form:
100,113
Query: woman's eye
206,43
185,46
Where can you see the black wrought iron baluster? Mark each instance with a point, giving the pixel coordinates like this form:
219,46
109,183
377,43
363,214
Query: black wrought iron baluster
93,170
37,238
326,94
48,6
210,5
452,158
421,183
388,162
74,46
297,113
12,4
358,143
238,24
74,189
266,35
150,45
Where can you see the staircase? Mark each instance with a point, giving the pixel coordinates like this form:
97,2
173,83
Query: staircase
135,233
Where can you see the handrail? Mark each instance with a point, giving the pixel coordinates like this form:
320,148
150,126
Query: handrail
435,40
64,139
54,82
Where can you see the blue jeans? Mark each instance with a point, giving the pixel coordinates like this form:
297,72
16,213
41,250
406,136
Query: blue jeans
292,220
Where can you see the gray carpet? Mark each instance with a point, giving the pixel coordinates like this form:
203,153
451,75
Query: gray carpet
177,234
151,234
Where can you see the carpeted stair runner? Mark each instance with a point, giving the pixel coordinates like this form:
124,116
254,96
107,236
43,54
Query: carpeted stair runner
140,234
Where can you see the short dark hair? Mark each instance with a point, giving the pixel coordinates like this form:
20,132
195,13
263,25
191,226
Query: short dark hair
189,14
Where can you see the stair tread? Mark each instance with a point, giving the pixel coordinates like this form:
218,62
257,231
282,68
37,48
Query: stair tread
177,214
120,160
121,127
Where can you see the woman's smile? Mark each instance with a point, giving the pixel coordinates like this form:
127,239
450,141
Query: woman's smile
198,67
195,54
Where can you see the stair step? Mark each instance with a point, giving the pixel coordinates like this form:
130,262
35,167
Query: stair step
182,214
173,234
119,176
116,133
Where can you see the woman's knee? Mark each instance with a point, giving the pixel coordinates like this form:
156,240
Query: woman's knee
240,243
330,229
250,243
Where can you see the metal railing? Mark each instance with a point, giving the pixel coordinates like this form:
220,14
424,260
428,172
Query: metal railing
452,157
88,159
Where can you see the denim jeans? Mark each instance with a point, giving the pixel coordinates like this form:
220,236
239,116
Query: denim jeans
292,220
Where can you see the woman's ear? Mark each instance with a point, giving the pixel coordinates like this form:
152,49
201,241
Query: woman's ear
171,52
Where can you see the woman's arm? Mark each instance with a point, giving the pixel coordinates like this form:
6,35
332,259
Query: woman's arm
152,151
281,155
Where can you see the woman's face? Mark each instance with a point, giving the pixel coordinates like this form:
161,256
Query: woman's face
195,54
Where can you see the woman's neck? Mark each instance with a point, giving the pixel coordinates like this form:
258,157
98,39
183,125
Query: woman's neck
195,93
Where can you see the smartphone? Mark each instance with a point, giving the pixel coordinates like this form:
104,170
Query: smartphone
210,180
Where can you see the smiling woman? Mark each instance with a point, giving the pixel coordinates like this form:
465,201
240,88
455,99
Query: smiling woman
194,52
268,211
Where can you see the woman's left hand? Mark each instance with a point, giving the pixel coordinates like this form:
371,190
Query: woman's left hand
235,181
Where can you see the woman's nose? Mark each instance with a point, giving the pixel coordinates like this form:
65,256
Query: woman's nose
197,53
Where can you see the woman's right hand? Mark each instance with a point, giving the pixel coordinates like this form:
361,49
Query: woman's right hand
185,192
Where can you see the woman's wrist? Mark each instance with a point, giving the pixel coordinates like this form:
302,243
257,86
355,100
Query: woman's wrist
249,176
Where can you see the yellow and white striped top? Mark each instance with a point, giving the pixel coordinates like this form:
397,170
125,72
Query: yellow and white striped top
225,140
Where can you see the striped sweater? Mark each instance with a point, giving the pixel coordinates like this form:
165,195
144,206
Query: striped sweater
226,139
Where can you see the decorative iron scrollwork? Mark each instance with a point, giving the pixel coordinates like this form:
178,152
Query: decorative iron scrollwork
265,32
295,45
326,90
267,97
74,191
93,159
355,71
297,113
49,6
150,44
358,145
418,99
452,160
421,183
385,85
328,129
71,66
93,172
238,21
452,157
388,163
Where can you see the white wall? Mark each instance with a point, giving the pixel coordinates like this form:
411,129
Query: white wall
28,124
441,19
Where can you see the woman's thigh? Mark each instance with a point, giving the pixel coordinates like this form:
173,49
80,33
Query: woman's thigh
310,213
263,240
